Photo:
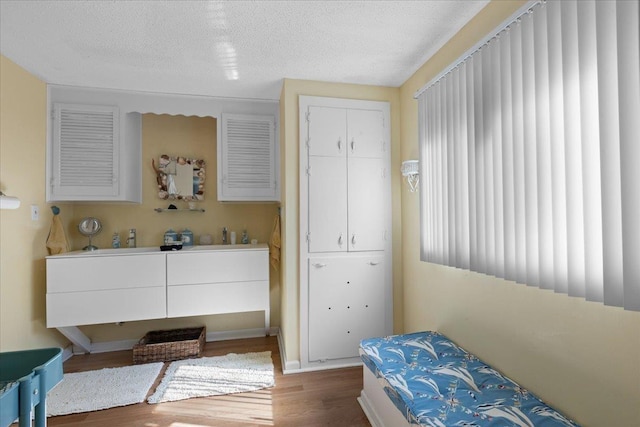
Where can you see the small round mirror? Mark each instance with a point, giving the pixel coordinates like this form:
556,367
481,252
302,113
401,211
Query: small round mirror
89,227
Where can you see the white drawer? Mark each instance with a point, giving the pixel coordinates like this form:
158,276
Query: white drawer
217,298
217,267
102,273
87,308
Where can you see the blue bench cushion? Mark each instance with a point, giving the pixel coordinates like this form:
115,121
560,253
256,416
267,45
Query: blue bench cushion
434,382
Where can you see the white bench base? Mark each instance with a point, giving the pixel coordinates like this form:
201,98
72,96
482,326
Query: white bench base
376,405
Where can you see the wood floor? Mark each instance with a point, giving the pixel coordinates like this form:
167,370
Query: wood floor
322,398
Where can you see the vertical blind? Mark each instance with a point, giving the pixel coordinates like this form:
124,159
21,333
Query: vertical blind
530,154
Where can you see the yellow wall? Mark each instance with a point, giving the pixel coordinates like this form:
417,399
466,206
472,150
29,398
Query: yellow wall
582,357
23,104
289,143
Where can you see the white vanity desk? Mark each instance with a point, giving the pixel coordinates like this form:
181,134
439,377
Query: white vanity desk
117,285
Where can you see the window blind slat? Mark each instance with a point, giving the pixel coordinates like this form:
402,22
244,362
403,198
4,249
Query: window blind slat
518,154
556,123
497,166
590,149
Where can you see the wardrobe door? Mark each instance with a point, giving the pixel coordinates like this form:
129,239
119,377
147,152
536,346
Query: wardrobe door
367,219
327,212
329,296
346,304
327,131
365,133
367,309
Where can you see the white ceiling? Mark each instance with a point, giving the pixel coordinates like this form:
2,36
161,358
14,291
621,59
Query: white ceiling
240,49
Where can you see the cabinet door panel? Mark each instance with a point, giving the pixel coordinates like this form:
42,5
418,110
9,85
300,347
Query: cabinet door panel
329,296
346,304
327,204
327,131
366,226
365,133
368,311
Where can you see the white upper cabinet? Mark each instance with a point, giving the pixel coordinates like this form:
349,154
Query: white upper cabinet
94,148
346,181
86,151
248,159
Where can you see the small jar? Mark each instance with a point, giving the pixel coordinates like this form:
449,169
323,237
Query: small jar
170,237
187,237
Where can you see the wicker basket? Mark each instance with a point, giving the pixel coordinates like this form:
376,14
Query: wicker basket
174,344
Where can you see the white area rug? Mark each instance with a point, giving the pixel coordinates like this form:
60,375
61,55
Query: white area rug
212,376
101,389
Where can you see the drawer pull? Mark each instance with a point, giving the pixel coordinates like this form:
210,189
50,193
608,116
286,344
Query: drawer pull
373,262
340,240
319,265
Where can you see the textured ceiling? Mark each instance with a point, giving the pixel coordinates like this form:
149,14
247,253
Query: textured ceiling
240,49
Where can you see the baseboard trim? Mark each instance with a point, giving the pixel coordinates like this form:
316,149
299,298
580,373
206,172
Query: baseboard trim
288,366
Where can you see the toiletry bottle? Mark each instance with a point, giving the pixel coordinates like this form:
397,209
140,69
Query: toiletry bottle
224,235
131,240
115,240
245,237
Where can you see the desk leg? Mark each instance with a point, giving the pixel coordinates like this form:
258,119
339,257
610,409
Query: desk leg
41,407
24,404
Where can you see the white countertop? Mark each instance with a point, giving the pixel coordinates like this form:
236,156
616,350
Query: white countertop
156,249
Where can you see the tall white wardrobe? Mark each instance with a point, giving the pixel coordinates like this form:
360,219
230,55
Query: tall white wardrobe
345,228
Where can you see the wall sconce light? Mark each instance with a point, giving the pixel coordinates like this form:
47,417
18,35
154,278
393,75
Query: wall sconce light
411,171
8,202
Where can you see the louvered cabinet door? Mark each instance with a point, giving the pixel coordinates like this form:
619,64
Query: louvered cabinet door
85,152
247,159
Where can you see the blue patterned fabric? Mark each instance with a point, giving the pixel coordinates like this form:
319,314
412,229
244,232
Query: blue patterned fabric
436,383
